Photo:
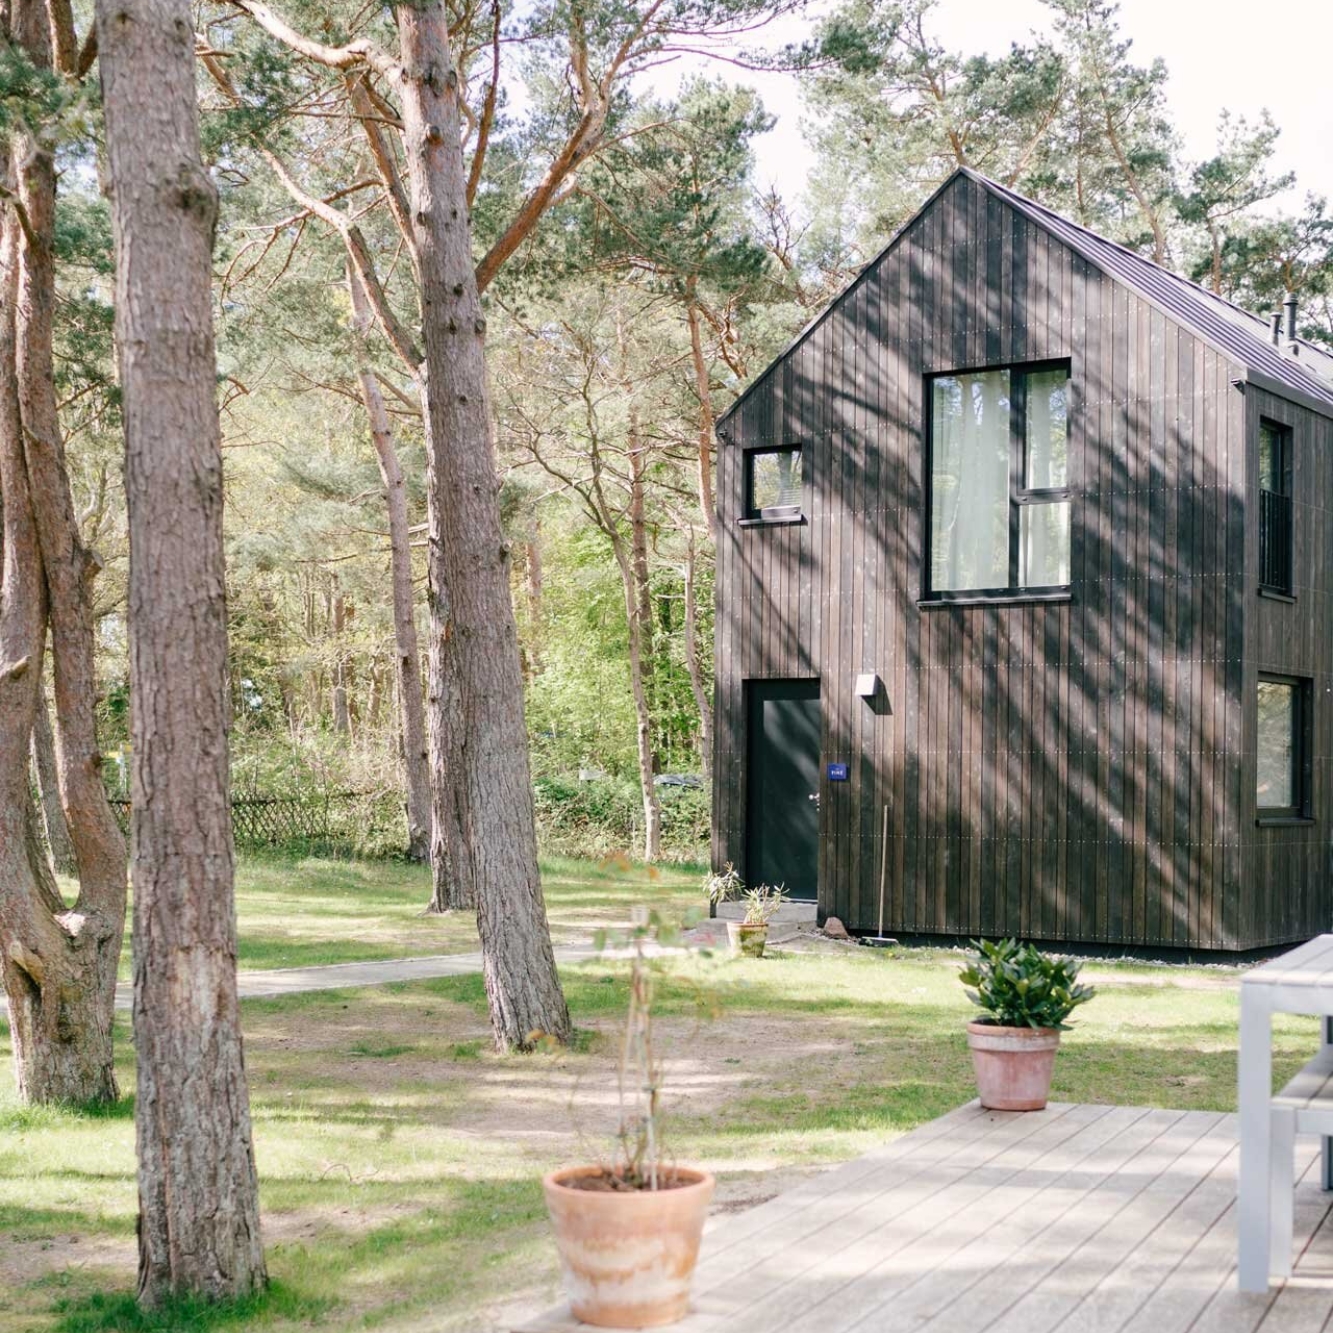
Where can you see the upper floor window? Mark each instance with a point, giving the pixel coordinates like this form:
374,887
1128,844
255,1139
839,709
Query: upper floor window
999,481
774,483
1282,788
1275,507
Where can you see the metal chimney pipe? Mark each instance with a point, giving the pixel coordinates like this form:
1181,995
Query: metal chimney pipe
1289,309
1275,328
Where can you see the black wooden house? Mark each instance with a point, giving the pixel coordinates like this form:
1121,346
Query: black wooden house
1025,557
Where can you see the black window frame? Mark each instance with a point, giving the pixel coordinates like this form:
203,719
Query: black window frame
1277,517
772,513
1020,495
1302,749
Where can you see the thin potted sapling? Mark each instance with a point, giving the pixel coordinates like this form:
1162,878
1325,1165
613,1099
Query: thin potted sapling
628,1230
1027,997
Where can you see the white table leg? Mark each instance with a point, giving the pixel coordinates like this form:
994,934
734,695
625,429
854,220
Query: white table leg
1254,1212
1282,1191
1326,1163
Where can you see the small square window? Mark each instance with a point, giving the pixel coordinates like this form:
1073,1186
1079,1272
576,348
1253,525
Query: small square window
1282,786
774,483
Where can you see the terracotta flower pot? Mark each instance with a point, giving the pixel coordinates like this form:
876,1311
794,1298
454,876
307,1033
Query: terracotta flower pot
747,939
628,1256
1013,1065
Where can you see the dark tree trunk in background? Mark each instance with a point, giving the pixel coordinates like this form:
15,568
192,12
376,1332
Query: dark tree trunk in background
698,681
342,720
639,612
48,787
703,388
533,585
478,732
411,706
198,1195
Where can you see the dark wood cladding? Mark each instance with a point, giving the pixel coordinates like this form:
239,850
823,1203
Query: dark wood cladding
1082,770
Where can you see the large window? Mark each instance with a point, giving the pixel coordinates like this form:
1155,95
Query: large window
1275,507
774,487
999,482
1282,788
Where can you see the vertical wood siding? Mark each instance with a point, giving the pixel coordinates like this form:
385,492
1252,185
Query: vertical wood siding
1073,771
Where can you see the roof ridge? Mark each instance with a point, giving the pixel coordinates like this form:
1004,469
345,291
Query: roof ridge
1195,304
1118,245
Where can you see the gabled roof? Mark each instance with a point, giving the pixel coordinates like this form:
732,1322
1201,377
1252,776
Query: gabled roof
1231,330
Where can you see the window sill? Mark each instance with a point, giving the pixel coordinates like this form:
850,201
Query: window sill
770,522
997,599
1277,595
1285,821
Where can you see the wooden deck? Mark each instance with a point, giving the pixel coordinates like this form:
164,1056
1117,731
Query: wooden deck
1086,1219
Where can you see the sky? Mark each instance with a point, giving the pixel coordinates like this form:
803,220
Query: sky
1220,53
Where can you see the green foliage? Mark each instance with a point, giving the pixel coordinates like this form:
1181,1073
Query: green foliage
762,903
1019,986
606,816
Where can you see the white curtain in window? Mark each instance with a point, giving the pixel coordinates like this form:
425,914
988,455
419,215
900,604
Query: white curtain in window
969,482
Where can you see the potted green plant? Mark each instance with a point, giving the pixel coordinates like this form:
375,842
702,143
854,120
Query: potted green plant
749,935
1027,996
628,1230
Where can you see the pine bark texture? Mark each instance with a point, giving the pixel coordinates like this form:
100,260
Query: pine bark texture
478,732
407,650
198,1195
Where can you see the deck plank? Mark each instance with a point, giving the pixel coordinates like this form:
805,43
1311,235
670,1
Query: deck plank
1085,1219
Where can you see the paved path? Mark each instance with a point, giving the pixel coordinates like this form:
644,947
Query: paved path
277,981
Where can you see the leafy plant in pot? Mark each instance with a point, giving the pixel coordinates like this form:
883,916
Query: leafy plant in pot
628,1230
749,935
1027,996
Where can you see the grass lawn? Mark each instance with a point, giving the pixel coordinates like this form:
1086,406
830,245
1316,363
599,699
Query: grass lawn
302,912
400,1158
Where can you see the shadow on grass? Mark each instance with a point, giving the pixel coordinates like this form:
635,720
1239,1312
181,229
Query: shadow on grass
119,1312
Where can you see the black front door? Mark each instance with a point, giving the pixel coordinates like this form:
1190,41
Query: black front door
782,785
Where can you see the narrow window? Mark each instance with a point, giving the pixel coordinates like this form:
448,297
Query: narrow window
774,486
999,482
1275,507
1282,788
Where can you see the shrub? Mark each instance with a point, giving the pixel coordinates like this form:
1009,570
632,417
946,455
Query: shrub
1020,987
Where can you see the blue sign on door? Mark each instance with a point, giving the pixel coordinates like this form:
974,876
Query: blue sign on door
837,772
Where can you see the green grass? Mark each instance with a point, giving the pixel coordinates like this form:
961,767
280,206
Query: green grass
400,1158
307,911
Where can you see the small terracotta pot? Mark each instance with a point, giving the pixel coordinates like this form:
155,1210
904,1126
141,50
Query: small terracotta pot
1013,1065
746,939
628,1257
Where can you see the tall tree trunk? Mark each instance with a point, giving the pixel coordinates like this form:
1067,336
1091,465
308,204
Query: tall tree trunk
639,609
59,963
411,707
533,586
342,722
703,388
479,742
48,787
198,1194
643,732
698,684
